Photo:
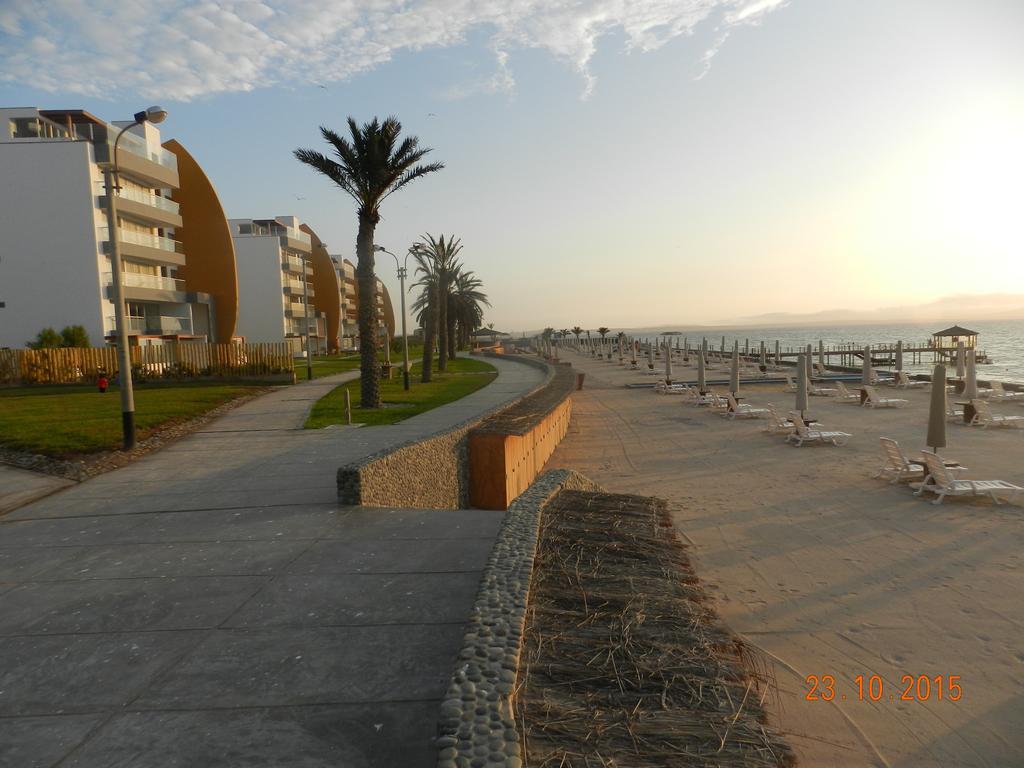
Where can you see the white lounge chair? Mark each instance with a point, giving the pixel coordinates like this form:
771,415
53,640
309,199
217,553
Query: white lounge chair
952,412
814,389
983,417
777,425
844,395
898,467
999,393
875,401
743,410
940,481
903,381
804,434
675,388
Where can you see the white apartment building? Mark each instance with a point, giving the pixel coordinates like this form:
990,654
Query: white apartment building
272,258
55,267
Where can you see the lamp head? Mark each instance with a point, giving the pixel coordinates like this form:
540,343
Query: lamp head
379,248
152,114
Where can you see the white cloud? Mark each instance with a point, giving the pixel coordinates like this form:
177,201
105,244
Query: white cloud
182,49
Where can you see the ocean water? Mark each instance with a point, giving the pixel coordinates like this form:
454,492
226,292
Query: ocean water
1001,340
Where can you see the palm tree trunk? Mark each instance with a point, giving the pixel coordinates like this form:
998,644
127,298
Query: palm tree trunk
442,324
453,340
367,283
429,325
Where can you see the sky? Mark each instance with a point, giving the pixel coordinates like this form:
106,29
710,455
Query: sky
623,163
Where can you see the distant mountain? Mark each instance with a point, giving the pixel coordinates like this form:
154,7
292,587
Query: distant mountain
956,308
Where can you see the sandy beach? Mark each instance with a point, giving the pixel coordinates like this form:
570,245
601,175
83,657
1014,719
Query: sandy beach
831,572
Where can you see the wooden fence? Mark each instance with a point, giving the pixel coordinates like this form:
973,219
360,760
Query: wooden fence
175,360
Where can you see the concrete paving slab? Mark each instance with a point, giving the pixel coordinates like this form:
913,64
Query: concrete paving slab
79,674
365,735
19,564
355,524
123,605
39,742
19,487
311,665
347,599
395,556
176,559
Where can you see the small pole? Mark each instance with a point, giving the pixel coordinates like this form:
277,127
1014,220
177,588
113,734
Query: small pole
305,299
348,407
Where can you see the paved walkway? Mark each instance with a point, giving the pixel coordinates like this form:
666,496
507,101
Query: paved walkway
18,487
211,604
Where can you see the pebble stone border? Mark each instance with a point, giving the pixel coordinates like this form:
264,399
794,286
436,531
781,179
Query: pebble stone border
477,726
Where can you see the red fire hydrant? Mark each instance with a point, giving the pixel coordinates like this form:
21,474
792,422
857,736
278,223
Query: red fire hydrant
102,383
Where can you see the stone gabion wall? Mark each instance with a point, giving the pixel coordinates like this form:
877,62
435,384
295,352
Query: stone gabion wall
434,474
477,725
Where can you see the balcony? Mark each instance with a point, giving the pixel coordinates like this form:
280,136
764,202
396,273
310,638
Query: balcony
147,247
296,288
147,207
147,287
292,263
154,325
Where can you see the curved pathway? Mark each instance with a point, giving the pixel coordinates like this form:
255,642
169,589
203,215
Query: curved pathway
211,604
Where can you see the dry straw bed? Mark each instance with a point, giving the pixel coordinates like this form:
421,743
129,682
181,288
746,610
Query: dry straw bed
625,662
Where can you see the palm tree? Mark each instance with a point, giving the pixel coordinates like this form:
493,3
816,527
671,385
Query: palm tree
576,331
547,333
425,309
465,308
369,166
441,253
565,332
603,331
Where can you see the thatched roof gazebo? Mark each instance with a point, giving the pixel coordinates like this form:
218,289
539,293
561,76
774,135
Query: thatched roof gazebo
950,337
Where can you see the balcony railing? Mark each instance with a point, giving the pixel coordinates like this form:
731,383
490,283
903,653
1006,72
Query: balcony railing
144,238
290,262
137,146
296,287
154,325
131,193
297,234
137,280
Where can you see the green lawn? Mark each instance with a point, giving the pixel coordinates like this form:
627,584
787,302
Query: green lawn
57,421
465,375
326,365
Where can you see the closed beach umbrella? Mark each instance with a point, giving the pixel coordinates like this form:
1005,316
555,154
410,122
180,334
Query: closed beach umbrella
686,349
865,373
668,362
960,359
971,386
632,350
622,352
821,355
763,358
704,351
702,384
722,349
778,353
899,358
734,372
801,384
650,355
937,410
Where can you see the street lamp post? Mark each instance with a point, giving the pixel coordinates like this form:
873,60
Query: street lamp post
112,187
403,272
305,299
